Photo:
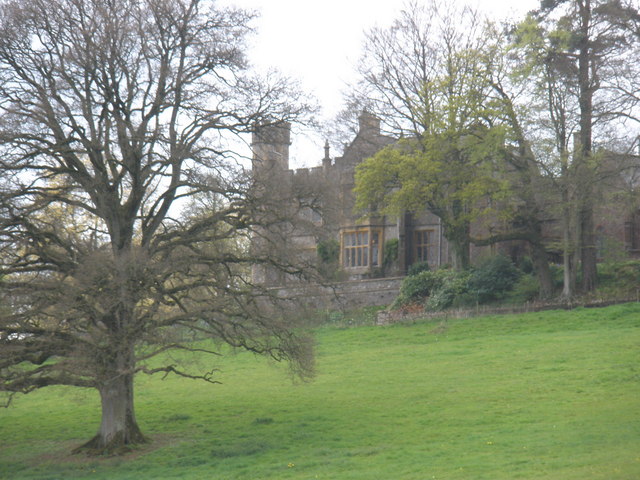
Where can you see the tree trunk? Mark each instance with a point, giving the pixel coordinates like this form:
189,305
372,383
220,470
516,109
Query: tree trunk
459,236
568,279
119,429
586,68
540,262
568,250
461,254
588,252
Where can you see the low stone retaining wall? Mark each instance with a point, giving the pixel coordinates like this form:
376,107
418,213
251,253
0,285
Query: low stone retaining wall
344,295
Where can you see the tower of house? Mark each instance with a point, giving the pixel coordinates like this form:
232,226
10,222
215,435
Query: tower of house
270,145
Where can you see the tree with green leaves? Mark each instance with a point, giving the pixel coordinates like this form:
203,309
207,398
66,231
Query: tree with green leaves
451,174
113,114
580,55
531,102
426,78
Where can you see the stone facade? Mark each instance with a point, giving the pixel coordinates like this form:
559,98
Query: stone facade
361,240
322,200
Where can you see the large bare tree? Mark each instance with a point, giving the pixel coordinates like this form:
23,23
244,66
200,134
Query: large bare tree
113,113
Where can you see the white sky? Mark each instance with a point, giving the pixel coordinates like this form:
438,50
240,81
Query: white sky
318,42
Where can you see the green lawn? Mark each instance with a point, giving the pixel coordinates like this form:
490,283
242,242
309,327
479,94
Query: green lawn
553,395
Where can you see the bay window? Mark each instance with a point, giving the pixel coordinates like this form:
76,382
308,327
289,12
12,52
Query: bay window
361,248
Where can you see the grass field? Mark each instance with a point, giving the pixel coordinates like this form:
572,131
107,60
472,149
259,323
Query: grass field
553,395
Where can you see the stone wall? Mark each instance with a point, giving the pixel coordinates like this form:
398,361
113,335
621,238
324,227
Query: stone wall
344,295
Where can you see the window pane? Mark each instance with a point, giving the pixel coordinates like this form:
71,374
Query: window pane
422,247
361,248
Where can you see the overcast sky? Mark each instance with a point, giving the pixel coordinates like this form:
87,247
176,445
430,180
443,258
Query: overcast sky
319,43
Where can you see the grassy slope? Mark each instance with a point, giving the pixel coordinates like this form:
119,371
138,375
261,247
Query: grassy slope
553,395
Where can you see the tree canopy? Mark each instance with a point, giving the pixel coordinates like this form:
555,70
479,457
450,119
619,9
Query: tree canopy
487,115
116,118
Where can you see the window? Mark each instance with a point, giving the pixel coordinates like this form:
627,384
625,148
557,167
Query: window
423,245
361,248
356,249
375,248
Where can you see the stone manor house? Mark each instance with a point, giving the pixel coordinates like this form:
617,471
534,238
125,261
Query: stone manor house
325,202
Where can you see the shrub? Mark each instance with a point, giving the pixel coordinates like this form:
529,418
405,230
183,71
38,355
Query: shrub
328,250
525,265
415,288
390,253
445,288
328,254
452,285
493,278
526,289
557,274
417,268
441,287
466,299
619,279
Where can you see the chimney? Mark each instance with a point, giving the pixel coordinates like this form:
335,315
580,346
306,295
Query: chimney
326,161
369,124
